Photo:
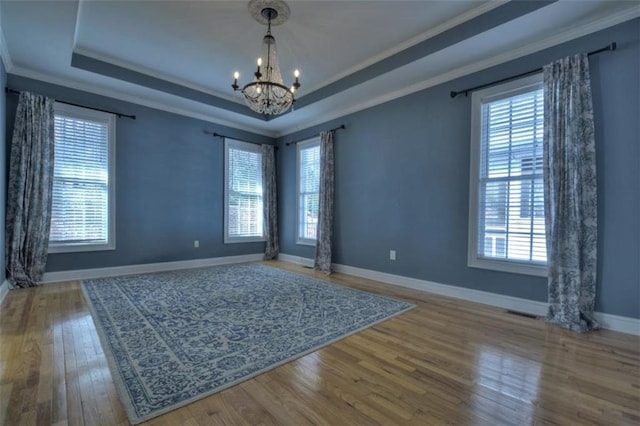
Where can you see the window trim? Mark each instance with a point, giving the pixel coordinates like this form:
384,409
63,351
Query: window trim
110,120
309,143
244,146
478,98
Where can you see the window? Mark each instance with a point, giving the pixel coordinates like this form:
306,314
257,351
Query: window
83,205
243,214
507,226
308,183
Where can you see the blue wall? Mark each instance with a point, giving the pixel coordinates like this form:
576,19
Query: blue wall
402,180
169,184
3,169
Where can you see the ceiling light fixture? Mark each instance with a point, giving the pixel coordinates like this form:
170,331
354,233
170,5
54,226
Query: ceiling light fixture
267,94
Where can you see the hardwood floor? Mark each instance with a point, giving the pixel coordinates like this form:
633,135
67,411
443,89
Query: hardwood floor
446,361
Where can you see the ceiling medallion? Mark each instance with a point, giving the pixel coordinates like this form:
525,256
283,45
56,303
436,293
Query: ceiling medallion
267,94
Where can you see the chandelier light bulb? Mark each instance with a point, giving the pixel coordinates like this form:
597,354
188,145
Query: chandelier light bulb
296,73
259,89
259,62
235,86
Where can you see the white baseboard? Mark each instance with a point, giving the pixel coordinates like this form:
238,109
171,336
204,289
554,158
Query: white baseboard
608,321
4,289
478,296
304,261
618,323
84,274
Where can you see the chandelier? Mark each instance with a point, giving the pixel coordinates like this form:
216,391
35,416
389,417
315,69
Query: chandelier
267,94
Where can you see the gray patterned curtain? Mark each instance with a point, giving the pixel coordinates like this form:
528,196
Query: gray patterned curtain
270,202
325,217
29,190
570,193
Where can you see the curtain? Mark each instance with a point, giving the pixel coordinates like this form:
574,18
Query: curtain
270,202
325,216
570,193
29,190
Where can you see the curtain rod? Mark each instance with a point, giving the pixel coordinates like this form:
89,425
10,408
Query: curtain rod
218,135
117,114
610,47
342,126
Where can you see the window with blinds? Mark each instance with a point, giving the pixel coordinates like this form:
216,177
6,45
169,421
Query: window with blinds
243,194
308,184
507,229
83,192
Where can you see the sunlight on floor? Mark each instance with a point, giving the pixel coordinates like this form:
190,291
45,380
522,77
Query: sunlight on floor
504,376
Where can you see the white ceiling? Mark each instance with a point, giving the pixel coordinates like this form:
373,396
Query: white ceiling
199,44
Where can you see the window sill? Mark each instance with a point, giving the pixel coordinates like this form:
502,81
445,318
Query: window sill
310,243
512,267
79,248
244,240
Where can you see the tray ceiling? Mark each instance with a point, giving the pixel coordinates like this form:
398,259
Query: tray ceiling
180,55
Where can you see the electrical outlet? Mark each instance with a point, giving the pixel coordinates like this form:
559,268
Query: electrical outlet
196,243
392,255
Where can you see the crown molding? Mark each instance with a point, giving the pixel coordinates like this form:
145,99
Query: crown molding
160,76
458,20
76,24
162,106
4,49
570,34
138,68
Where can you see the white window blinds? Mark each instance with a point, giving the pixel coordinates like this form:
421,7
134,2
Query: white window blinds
80,217
308,190
244,208
511,200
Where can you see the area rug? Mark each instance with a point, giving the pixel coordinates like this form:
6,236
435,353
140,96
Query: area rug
175,337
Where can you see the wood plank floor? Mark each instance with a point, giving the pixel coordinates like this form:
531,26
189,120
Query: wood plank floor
445,362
